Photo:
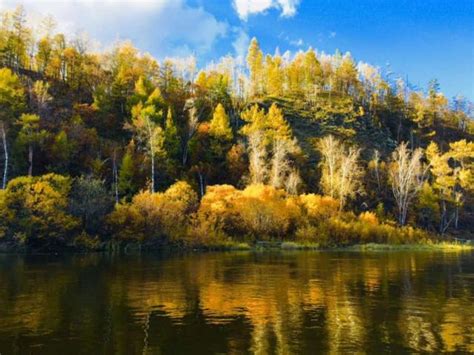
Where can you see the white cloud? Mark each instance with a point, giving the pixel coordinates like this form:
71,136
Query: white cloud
165,27
241,43
245,8
297,42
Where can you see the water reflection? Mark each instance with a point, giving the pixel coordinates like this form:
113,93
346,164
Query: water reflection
295,302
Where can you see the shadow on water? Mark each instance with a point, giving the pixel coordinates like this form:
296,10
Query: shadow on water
238,302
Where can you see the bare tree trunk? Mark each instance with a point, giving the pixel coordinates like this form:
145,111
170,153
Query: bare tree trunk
442,221
115,175
403,216
30,160
152,153
456,217
201,184
153,171
399,130
185,154
5,151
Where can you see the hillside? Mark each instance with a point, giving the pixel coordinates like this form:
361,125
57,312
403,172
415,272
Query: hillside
119,146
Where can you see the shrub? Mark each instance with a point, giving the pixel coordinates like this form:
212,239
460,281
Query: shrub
319,207
369,218
313,234
259,211
154,215
36,209
265,211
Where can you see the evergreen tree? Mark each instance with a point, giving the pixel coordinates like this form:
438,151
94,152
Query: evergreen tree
126,176
219,127
255,66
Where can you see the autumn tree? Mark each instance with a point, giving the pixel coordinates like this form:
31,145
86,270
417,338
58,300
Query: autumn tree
30,135
11,102
40,97
171,143
452,174
340,170
346,75
149,133
219,126
282,172
462,154
255,66
38,209
407,175
274,75
273,124
312,72
220,132
257,158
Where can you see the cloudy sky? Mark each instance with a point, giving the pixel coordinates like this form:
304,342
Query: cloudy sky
416,39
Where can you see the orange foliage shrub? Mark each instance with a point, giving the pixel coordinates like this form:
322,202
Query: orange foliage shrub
152,215
369,218
319,207
258,211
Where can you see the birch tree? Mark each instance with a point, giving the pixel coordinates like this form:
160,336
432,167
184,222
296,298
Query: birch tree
406,177
257,158
149,134
340,170
11,102
281,164
40,97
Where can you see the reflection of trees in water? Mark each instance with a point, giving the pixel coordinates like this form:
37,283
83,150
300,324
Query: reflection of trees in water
264,302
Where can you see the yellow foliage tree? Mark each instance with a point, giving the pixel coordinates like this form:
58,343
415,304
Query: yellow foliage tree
219,127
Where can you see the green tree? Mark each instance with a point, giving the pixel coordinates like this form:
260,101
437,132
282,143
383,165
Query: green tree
90,202
126,176
171,136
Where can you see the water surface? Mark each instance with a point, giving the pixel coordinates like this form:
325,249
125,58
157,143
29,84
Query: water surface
246,302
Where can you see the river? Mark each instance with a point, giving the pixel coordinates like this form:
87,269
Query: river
237,302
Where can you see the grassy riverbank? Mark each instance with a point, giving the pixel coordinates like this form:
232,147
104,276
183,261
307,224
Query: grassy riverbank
241,246
441,246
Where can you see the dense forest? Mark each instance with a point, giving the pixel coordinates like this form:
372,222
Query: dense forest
307,147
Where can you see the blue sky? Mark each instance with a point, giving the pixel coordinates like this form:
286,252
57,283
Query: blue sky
415,39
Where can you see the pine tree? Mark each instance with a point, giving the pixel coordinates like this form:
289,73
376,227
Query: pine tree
171,144
219,127
255,65
255,118
126,176
274,76
277,126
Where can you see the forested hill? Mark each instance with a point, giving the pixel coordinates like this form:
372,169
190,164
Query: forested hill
96,144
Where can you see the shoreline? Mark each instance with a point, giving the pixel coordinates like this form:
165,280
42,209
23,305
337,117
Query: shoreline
7,248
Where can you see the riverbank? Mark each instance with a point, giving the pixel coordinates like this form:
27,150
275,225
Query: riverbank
11,248
441,246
